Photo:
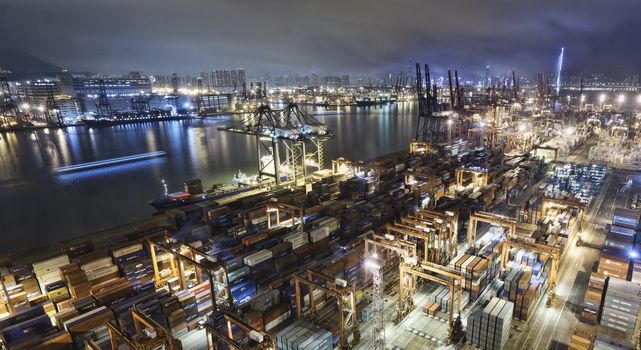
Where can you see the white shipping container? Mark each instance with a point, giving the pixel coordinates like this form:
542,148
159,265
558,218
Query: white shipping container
96,264
258,257
49,265
297,239
127,250
318,234
103,271
280,319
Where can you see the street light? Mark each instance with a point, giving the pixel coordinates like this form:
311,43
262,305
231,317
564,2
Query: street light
621,99
601,98
639,99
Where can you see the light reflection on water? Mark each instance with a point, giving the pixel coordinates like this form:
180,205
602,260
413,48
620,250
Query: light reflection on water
39,206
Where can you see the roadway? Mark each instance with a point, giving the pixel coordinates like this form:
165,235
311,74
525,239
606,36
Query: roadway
551,326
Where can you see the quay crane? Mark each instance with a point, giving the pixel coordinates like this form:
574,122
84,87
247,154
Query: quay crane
291,129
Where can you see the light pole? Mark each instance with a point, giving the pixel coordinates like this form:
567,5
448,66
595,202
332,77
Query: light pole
374,264
621,99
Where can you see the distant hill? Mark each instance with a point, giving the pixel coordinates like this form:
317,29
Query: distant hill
21,63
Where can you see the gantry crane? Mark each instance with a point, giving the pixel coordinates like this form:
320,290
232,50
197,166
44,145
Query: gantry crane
480,176
432,184
551,252
275,208
493,219
344,166
436,230
420,148
103,106
446,224
178,261
290,128
431,272
345,296
375,263
537,148
261,340
162,338
377,245
432,128
8,106
52,111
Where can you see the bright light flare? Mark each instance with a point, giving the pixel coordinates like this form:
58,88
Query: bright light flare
602,98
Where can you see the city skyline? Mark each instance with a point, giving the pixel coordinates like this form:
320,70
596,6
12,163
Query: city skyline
325,38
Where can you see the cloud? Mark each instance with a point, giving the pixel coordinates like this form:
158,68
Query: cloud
330,36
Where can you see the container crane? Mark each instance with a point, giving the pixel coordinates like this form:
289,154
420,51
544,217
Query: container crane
290,128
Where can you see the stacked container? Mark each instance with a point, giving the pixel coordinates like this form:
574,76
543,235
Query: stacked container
304,335
621,305
592,300
489,328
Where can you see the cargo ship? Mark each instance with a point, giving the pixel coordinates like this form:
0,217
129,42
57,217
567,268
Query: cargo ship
117,118
193,192
375,101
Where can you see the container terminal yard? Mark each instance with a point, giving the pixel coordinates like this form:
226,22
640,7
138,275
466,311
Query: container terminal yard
505,225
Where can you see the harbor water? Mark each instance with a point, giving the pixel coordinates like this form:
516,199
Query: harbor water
41,206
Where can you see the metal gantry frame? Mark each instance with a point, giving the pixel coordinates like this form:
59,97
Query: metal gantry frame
297,213
344,166
490,218
420,148
552,252
377,244
345,298
264,341
546,202
291,127
162,339
480,177
429,271
446,225
178,262
436,230
535,149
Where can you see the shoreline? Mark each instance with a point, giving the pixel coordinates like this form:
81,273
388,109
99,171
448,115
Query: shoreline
104,235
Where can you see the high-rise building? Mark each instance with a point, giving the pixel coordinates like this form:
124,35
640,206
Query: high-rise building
241,77
333,81
315,79
36,94
487,76
345,80
228,78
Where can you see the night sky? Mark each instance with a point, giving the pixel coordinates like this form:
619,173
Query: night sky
326,36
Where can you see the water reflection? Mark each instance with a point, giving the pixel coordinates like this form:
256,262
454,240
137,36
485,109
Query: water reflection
39,206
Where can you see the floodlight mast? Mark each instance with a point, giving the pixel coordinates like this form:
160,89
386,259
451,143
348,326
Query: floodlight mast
375,265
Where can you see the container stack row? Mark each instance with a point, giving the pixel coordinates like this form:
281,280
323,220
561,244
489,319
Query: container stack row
441,296
489,327
621,305
592,300
304,335
475,272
